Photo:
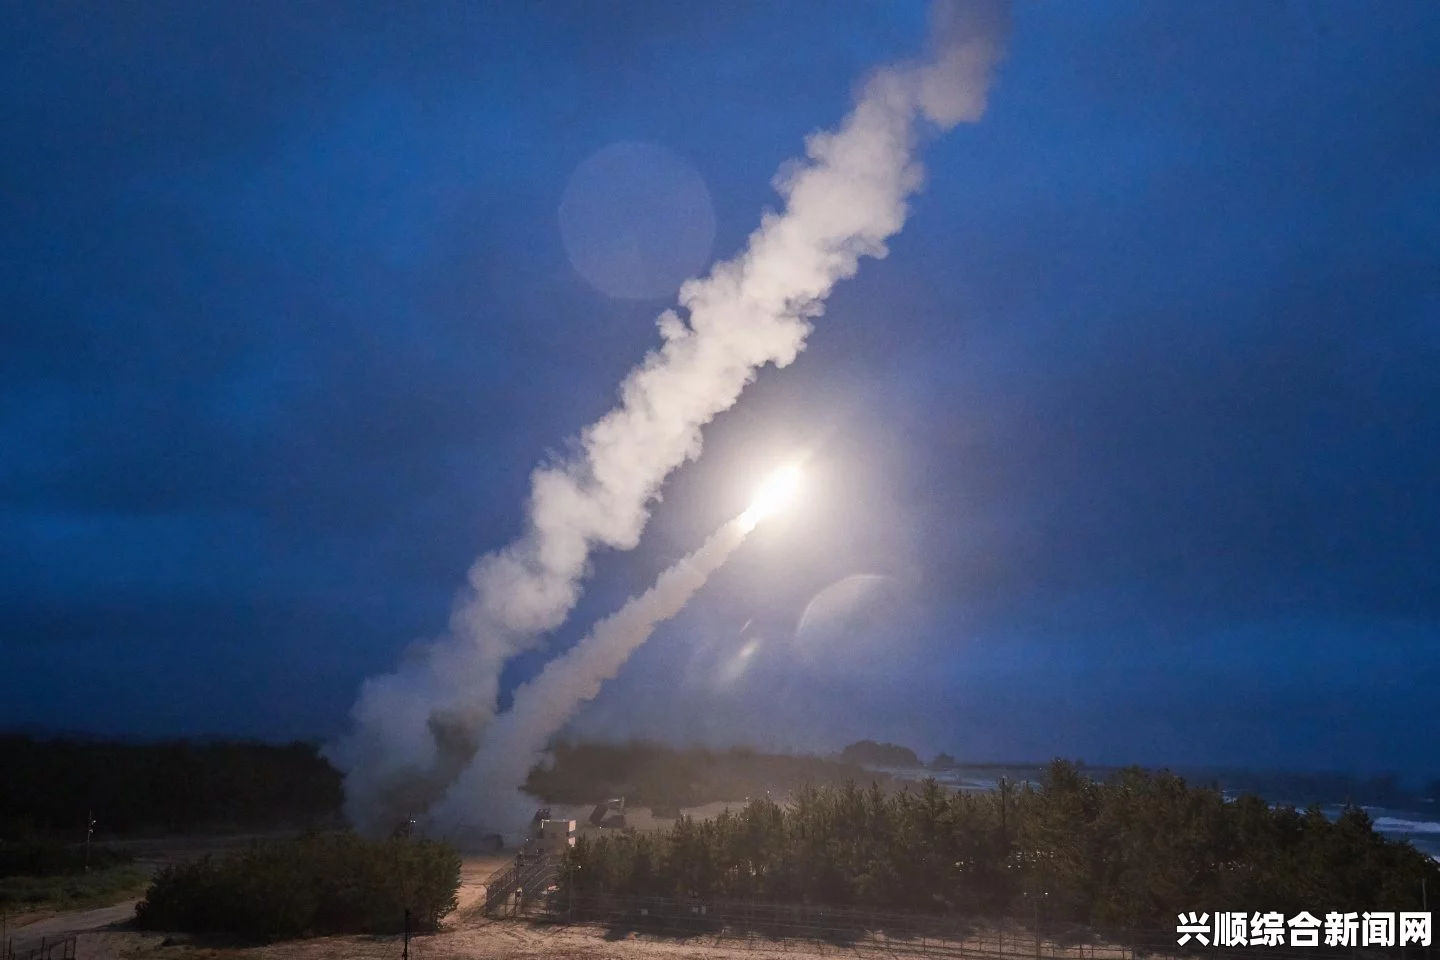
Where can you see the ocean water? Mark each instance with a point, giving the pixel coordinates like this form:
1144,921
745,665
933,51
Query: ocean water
1419,824
1420,827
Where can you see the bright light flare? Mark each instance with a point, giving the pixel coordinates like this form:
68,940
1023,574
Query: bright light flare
775,494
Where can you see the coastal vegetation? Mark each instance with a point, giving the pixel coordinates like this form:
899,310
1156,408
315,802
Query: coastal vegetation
1130,851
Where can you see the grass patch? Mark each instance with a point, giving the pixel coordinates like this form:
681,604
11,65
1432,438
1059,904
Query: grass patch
71,891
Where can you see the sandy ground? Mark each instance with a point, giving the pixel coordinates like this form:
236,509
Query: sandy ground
102,936
473,871
517,940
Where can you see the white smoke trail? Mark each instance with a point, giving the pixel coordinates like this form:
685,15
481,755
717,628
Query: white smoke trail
487,795
414,729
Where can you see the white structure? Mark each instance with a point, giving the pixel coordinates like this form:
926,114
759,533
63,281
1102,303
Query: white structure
551,838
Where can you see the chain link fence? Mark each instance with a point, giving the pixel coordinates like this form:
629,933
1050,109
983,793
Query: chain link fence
783,927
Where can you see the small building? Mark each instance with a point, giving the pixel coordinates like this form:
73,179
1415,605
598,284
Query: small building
551,838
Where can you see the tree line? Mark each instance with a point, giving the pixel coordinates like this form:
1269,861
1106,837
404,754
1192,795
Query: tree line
868,753
668,778
1128,852
49,787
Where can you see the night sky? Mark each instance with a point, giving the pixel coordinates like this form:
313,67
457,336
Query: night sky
1129,451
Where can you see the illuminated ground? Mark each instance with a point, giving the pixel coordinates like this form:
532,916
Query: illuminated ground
477,938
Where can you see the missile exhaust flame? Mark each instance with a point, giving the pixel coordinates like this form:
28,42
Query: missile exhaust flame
774,495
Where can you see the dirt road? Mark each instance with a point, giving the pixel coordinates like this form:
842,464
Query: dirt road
64,924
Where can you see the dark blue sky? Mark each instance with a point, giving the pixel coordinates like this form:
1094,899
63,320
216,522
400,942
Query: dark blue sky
1135,435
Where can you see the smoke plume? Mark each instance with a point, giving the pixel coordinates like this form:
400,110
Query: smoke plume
414,730
487,795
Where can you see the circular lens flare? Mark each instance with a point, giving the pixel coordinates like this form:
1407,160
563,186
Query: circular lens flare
774,495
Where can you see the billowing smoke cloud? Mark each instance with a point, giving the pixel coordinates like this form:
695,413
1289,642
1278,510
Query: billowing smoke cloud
487,797
417,728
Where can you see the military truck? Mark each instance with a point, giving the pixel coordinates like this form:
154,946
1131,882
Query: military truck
609,815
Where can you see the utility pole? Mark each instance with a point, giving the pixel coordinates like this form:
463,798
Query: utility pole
89,830
1004,792
1045,895
406,955
1004,856
1424,905
1037,928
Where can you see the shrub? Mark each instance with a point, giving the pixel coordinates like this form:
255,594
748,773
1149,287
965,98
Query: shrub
311,886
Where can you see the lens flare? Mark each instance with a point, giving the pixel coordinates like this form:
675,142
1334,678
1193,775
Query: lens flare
774,495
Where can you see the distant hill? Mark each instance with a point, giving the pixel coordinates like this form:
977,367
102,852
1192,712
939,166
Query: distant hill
40,731
49,786
868,753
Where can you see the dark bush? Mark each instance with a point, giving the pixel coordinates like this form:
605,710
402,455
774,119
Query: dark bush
312,886
868,753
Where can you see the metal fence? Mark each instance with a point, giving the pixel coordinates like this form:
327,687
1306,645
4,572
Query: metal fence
519,886
59,948
775,926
